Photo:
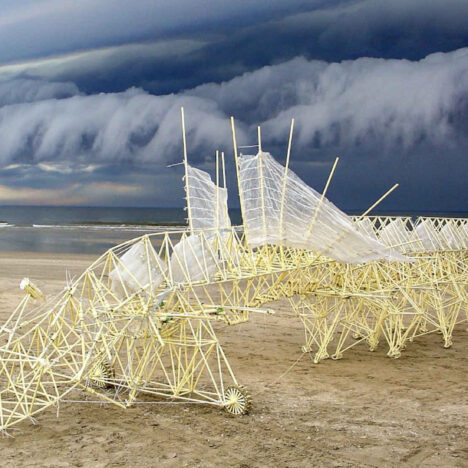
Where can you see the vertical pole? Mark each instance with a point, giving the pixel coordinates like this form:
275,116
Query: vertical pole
184,141
224,169
226,214
236,158
217,191
259,133
262,188
285,180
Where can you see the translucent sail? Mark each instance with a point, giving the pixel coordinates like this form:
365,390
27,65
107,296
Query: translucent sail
464,234
365,226
285,211
396,235
450,236
136,268
207,203
194,257
426,236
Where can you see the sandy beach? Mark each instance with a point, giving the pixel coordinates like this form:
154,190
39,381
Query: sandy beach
365,410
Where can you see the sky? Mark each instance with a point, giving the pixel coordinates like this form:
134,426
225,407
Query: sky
90,97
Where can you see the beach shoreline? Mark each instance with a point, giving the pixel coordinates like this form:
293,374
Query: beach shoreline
365,410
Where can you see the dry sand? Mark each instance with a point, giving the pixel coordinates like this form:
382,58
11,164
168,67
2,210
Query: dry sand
365,410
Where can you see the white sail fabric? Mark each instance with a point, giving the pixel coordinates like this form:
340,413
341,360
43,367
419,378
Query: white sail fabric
365,226
207,203
193,259
395,234
464,234
288,212
136,269
426,236
450,236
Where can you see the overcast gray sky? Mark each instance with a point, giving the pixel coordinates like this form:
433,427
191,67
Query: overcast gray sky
90,95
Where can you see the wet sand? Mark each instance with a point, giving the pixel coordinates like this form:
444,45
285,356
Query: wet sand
365,410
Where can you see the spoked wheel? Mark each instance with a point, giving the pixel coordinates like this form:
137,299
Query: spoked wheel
101,374
238,400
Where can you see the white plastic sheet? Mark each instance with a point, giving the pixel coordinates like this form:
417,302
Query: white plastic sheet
427,236
395,234
464,234
288,212
137,268
193,259
366,227
207,203
450,237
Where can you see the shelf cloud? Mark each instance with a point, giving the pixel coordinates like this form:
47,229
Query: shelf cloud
96,99
377,105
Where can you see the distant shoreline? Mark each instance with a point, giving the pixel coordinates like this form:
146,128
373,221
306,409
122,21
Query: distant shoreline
81,230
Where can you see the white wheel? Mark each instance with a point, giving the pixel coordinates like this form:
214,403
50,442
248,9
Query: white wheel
101,374
238,400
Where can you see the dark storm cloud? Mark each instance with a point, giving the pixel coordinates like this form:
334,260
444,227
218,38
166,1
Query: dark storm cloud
69,26
409,29
27,90
132,126
360,106
226,44
98,124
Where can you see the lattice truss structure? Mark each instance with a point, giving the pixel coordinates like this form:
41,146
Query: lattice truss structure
374,278
395,302
141,320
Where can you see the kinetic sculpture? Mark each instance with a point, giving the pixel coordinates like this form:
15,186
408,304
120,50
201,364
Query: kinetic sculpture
140,320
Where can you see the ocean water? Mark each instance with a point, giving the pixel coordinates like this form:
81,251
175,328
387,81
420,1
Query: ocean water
94,230
87,230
